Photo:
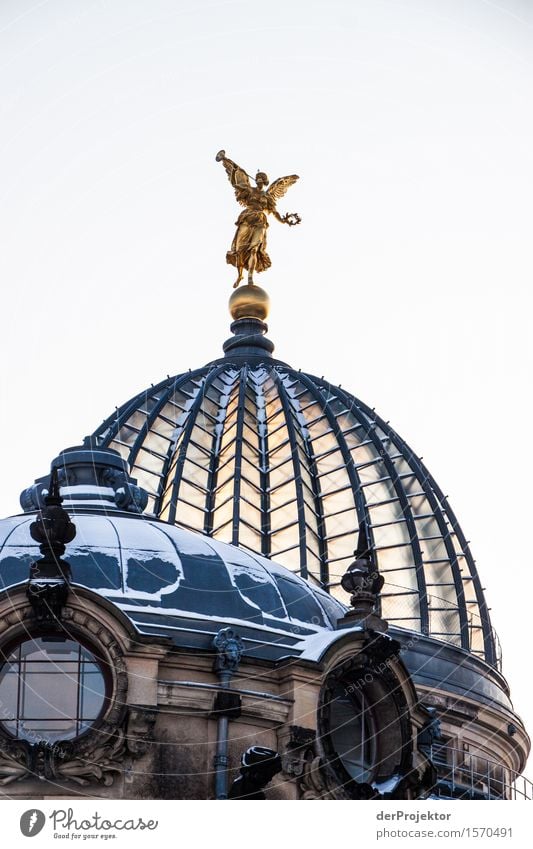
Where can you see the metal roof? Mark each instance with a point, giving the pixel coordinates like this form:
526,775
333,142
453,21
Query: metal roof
171,582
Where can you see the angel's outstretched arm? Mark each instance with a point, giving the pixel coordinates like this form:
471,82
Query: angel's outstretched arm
236,175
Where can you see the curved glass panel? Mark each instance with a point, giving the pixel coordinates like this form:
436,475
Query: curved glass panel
287,466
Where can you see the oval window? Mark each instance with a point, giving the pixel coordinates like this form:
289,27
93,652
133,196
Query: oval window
352,733
365,727
51,688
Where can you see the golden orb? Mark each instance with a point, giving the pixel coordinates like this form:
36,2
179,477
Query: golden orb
249,301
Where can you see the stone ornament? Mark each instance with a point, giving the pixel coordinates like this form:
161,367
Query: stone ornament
95,758
50,575
258,767
229,647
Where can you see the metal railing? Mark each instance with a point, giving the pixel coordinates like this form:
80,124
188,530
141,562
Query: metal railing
469,775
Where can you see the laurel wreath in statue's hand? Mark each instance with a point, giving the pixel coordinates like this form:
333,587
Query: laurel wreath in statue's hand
291,219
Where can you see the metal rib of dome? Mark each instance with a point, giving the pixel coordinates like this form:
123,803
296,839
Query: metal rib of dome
253,453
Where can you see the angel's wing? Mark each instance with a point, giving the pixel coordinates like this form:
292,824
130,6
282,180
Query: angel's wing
238,179
278,188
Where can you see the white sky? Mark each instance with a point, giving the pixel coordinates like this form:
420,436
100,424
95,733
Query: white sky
408,281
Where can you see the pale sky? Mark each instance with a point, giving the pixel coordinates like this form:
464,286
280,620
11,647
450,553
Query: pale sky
408,281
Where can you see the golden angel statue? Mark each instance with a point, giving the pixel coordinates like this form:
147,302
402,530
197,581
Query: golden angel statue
248,249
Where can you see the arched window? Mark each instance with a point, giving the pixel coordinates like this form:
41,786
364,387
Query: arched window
364,725
51,688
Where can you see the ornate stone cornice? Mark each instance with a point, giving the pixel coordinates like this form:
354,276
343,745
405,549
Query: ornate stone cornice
95,757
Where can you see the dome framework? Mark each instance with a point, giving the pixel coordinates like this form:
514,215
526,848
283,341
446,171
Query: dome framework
254,453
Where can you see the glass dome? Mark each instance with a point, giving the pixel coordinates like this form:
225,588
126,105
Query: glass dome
254,453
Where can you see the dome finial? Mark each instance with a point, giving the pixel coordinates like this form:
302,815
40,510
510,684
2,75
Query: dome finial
249,301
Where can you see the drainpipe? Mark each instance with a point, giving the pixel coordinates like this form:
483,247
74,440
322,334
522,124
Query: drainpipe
229,647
